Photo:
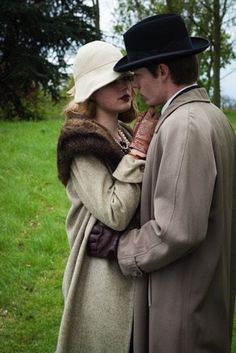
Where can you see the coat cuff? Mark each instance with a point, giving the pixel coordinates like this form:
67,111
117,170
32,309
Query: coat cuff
130,170
129,266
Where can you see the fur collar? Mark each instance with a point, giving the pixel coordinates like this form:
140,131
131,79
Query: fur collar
84,136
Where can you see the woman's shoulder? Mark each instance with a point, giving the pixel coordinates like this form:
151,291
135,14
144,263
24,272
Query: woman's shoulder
85,137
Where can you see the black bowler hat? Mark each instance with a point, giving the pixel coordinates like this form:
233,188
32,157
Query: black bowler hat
157,38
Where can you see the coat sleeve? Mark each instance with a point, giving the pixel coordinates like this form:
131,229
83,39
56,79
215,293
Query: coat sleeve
112,199
183,192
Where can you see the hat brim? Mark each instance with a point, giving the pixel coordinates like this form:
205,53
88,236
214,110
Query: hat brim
198,46
92,81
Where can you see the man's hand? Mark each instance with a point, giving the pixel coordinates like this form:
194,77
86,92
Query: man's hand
103,242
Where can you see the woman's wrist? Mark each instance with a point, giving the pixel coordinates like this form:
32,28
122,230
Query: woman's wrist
136,154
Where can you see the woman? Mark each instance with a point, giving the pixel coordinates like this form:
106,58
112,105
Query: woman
103,183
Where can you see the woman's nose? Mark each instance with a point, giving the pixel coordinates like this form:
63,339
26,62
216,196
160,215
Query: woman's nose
124,83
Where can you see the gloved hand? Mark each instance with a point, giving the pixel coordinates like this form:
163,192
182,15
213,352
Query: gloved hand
103,242
143,132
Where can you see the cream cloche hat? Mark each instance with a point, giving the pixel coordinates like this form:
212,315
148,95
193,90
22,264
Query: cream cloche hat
93,68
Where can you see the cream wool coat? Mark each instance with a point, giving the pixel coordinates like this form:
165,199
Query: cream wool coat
183,256
98,310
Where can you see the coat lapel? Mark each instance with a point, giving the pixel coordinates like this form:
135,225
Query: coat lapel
194,95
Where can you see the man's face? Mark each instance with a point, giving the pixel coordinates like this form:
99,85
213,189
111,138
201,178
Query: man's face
149,87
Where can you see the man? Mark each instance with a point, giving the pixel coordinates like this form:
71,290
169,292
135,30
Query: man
182,255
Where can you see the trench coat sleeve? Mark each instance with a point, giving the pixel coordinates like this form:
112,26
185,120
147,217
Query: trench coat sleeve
183,191
112,199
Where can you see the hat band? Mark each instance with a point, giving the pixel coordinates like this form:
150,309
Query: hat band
173,47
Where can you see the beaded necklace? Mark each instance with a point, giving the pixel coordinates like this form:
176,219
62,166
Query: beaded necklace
123,142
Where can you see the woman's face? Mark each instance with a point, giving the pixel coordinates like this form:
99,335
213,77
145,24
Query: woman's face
116,97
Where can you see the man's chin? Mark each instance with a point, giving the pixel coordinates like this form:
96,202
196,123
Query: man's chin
145,99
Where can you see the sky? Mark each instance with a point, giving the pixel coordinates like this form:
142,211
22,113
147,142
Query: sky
228,75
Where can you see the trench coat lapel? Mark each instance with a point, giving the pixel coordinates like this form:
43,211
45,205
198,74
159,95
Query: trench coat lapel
185,98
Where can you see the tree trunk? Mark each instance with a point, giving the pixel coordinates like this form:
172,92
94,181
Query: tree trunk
216,53
169,5
97,17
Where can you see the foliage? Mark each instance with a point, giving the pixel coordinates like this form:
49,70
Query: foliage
210,22
228,103
129,12
33,245
35,38
39,106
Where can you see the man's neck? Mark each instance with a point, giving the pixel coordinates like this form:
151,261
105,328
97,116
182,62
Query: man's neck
176,92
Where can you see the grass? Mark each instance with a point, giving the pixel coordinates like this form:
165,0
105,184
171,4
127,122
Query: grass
232,118
33,245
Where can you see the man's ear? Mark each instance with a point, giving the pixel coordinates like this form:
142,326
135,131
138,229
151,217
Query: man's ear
163,69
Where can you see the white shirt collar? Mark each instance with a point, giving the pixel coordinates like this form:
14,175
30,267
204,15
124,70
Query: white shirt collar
166,105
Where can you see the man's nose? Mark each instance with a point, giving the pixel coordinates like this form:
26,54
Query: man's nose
134,83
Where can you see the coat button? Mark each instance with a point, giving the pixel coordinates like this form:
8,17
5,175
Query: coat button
142,167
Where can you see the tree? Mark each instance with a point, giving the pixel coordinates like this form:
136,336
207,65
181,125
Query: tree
207,18
35,37
96,11
212,21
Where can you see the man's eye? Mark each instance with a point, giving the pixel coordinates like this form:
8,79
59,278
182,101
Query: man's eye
128,77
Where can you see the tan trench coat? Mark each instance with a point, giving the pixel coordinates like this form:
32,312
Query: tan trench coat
184,303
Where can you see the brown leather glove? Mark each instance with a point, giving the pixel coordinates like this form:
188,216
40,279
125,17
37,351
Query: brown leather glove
143,132
103,242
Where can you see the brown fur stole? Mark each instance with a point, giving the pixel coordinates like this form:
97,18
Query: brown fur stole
84,136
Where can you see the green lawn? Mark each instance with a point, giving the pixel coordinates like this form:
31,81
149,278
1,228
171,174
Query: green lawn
232,119
33,245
